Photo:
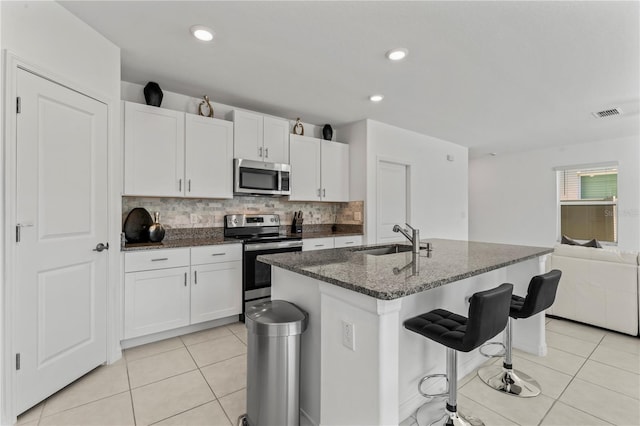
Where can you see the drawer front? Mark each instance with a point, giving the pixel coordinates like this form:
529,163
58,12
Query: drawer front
216,254
351,241
317,243
156,259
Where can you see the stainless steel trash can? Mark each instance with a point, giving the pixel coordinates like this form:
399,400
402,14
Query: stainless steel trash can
273,363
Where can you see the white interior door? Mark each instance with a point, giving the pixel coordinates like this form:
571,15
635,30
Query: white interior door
61,203
392,200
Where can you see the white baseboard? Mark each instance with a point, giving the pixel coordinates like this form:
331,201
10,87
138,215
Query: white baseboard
150,338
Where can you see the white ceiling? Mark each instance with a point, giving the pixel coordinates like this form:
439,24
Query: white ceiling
494,76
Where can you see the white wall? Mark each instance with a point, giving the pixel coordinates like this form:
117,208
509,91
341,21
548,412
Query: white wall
439,187
512,197
356,135
48,39
46,34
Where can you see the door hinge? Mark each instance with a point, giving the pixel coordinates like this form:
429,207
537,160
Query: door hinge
18,105
17,361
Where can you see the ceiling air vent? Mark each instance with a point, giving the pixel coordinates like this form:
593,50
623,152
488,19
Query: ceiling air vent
607,113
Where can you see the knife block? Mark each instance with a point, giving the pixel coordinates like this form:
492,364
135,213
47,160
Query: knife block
296,226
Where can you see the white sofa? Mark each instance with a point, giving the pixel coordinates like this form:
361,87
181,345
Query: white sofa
598,286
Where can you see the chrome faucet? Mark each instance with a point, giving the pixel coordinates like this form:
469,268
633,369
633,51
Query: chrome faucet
414,237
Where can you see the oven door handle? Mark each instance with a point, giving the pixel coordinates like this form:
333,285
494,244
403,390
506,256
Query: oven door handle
272,246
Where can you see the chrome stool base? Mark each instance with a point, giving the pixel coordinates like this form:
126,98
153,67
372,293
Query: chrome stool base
459,419
426,413
511,382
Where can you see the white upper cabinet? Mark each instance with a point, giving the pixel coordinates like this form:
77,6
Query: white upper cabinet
172,154
276,140
209,157
248,130
304,154
153,151
260,138
334,171
319,170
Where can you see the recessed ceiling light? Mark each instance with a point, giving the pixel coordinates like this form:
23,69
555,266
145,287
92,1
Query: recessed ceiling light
397,54
202,33
493,154
376,98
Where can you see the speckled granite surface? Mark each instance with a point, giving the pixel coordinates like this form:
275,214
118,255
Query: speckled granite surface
327,230
392,276
191,237
184,237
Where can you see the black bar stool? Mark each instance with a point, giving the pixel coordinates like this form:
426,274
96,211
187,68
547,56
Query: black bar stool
488,315
540,296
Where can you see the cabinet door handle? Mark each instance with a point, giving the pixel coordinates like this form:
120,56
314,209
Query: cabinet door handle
218,254
159,259
260,152
319,245
266,153
324,192
348,242
185,279
195,277
189,183
179,185
318,192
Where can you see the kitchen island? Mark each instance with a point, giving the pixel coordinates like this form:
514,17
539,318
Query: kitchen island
358,364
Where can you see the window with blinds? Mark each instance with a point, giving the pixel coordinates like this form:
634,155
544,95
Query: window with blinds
588,200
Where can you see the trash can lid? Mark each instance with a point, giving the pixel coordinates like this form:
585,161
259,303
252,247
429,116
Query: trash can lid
276,318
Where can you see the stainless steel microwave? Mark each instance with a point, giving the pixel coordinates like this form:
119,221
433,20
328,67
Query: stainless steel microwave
260,178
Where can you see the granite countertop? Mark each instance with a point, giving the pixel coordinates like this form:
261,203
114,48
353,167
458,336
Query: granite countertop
394,276
329,233
192,237
177,243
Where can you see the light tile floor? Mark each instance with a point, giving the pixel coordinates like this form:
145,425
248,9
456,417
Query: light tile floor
589,377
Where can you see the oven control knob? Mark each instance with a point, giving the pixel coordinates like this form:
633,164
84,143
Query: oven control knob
273,219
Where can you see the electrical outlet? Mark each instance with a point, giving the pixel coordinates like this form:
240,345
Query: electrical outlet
348,335
194,218
357,216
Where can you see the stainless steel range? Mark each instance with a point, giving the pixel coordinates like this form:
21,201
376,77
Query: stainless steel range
260,234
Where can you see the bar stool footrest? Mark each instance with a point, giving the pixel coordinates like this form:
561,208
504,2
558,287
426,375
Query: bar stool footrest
496,355
509,381
433,395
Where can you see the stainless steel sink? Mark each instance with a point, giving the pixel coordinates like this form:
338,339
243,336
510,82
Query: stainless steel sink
392,249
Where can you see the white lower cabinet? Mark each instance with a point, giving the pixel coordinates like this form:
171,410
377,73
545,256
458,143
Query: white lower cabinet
309,244
347,241
155,301
167,289
322,243
216,277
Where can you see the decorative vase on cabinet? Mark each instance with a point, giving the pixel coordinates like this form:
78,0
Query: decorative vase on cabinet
153,94
327,132
156,230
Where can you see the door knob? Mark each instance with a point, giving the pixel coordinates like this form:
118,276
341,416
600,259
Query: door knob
100,247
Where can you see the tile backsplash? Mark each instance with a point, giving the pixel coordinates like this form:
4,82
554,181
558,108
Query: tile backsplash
206,213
